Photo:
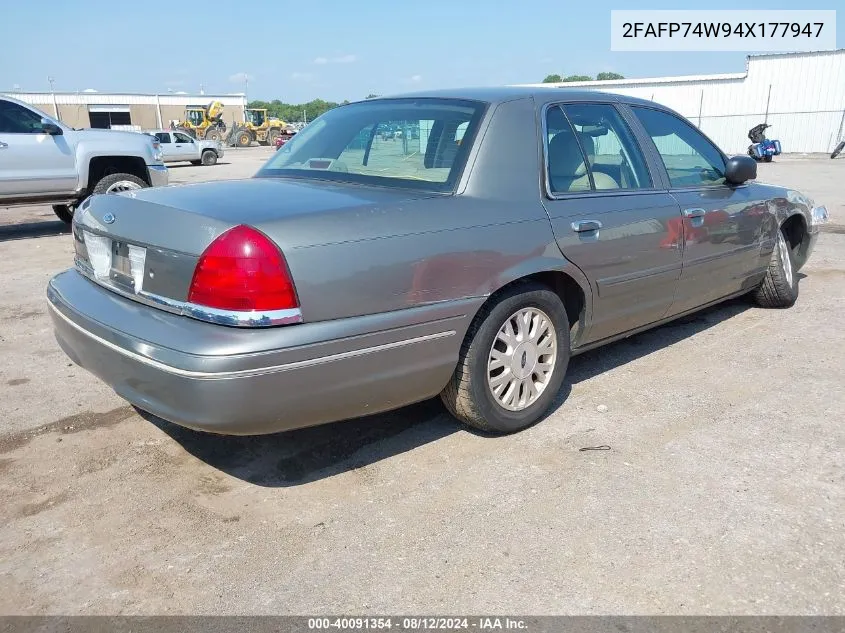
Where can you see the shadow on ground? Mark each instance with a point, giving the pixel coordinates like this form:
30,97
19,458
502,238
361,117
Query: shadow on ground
29,230
302,456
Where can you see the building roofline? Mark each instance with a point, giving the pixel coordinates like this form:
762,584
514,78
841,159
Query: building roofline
76,93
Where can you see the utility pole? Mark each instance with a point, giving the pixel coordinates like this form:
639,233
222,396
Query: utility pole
304,116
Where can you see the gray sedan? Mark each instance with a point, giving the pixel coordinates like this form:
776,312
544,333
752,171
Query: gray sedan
355,274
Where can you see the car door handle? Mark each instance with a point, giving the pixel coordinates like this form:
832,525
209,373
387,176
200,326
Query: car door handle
694,213
586,225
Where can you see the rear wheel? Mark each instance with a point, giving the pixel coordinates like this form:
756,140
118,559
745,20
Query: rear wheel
116,183
64,212
838,149
209,158
213,134
767,158
272,135
779,288
512,361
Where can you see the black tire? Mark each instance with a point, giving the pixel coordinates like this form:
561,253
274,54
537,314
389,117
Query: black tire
107,181
64,212
779,288
468,396
213,134
209,158
243,139
767,158
838,149
272,135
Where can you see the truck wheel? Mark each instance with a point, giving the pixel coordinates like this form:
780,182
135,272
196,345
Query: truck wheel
63,212
209,158
272,135
512,361
243,139
213,134
115,183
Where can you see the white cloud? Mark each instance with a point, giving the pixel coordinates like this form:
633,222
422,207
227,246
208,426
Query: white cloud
342,59
413,79
239,78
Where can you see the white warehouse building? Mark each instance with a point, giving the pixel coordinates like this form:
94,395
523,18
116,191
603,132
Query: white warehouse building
801,95
126,111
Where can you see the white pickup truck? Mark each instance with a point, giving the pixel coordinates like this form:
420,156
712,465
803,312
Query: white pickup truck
177,146
43,161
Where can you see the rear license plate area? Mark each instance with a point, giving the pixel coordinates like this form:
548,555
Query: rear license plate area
127,265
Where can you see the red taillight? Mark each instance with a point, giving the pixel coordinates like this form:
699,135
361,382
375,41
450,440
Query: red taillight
243,270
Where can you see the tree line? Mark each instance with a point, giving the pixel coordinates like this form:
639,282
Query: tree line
556,79
289,112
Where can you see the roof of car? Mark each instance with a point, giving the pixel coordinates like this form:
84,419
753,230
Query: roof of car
500,94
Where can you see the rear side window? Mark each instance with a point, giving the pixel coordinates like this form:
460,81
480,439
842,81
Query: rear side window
591,148
410,143
690,159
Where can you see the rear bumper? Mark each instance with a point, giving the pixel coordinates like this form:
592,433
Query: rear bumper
236,381
159,176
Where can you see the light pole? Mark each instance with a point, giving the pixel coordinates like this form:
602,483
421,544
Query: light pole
50,80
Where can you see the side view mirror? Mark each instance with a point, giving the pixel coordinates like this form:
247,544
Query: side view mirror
48,127
740,169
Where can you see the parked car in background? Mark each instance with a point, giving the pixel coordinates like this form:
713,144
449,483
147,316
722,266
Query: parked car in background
179,147
43,161
283,138
347,279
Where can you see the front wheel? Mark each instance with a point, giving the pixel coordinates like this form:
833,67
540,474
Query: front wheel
779,288
209,158
63,212
243,139
512,361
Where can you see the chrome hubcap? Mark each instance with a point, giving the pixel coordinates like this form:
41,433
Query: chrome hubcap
522,359
123,185
785,259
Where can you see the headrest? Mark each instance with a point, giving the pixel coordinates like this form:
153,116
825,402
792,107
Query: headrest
565,158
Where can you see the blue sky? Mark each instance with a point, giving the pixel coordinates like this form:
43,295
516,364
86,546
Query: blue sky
334,50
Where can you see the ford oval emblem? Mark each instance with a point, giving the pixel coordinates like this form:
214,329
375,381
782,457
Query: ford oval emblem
108,218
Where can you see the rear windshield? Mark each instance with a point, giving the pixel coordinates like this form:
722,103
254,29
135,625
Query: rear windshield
407,143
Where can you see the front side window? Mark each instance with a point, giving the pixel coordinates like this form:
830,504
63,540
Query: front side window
163,137
15,119
591,148
182,138
690,159
410,143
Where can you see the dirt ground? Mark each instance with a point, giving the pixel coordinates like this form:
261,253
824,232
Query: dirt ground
722,492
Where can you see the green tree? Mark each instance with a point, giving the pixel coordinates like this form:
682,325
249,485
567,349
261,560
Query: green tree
577,78
372,96
609,76
551,79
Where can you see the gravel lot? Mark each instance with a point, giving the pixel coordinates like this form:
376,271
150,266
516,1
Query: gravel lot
723,491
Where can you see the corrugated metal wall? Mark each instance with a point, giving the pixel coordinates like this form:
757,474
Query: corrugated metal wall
806,108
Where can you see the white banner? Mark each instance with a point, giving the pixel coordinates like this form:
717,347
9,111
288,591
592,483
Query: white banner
748,31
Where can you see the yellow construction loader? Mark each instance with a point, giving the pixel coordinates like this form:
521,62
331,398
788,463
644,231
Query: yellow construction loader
258,126
204,122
